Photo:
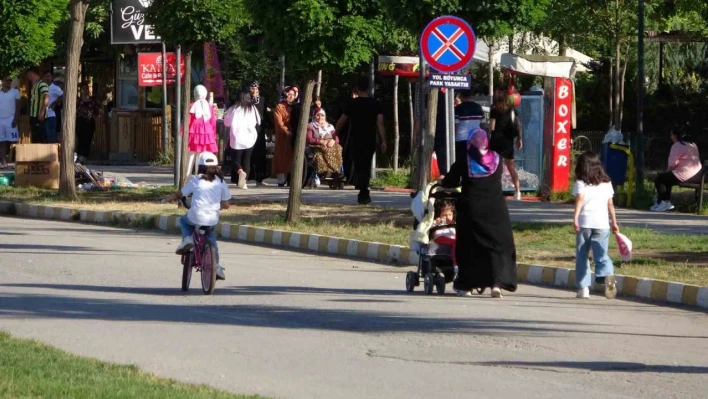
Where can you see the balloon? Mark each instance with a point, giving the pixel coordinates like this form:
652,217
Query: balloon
514,99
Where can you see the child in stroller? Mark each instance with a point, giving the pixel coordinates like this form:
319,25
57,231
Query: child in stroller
433,239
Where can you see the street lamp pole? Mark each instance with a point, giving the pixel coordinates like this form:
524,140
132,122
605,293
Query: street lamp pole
640,97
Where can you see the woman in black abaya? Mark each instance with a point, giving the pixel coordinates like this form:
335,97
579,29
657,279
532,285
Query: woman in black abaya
486,253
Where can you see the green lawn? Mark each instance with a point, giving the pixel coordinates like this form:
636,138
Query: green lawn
661,256
29,369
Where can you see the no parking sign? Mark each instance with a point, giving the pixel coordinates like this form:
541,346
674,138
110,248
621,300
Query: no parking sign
448,44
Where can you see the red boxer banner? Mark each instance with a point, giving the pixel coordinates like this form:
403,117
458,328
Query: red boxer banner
150,69
558,135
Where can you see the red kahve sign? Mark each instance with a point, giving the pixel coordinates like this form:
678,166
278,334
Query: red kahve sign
150,69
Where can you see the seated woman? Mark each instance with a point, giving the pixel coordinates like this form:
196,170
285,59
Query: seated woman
323,140
684,167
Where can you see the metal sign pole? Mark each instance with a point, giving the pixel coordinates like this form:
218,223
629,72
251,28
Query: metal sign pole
165,129
447,130
178,117
372,92
452,136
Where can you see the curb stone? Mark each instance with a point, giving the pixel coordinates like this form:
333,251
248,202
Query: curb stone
631,287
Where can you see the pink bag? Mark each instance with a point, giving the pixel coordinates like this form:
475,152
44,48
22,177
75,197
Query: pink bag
625,247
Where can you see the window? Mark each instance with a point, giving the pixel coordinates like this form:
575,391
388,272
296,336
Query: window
153,97
128,83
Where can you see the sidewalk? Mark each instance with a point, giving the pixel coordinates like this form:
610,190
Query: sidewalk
541,212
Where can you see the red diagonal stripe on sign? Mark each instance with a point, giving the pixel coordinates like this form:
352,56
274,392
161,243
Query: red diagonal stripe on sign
448,43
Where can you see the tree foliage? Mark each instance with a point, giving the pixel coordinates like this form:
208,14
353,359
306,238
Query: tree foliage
320,34
491,19
26,32
193,22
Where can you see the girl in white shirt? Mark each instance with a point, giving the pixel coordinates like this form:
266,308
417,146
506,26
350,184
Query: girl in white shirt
593,209
242,119
209,195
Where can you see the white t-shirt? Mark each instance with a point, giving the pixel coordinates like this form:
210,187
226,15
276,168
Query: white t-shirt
8,102
206,200
594,213
54,93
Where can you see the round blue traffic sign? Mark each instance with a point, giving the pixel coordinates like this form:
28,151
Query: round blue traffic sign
448,44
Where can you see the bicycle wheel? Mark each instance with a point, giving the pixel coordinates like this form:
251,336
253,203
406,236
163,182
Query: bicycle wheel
187,271
208,269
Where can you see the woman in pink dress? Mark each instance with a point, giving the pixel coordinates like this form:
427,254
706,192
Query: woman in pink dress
202,126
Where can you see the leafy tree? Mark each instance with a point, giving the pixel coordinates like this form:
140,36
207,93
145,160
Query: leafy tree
190,23
26,32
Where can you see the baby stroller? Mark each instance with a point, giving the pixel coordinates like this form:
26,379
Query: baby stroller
435,266
312,179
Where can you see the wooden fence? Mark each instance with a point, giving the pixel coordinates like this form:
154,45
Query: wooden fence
144,130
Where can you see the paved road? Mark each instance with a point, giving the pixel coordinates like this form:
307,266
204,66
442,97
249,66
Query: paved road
520,211
292,325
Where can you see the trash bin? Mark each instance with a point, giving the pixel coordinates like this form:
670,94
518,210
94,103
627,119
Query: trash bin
618,161
615,162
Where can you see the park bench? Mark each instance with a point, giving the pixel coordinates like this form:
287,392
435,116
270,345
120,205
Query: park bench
699,187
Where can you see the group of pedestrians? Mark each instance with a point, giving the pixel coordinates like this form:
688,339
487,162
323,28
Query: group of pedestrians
349,144
45,112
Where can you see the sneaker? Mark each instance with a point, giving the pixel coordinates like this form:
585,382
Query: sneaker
517,196
185,246
496,293
462,292
220,273
261,184
610,287
584,293
665,206
242,179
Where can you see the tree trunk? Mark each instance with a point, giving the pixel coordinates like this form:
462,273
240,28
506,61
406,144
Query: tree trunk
563,46
186,100
490,65
67,182
318,88
612,95
414,138
429,139
292,214
622,79
618,68
511,44
396,127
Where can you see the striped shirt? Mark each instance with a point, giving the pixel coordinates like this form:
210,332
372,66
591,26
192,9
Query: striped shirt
468,117
39,90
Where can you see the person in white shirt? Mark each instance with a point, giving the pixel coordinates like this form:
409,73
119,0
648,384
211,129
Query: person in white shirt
9,118
55,98
242,119
593,209
210,194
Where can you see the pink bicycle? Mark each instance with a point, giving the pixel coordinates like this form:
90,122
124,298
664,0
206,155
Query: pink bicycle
201,258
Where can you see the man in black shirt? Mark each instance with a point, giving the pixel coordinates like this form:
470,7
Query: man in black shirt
366,117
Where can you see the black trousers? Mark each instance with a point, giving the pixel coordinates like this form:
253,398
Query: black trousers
38,134
666,181
241,159
362,171
85,128
259,163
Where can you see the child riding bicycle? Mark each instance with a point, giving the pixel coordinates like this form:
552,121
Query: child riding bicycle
210,194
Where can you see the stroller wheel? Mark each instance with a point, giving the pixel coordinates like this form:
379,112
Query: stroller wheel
411,281
429,283
440,284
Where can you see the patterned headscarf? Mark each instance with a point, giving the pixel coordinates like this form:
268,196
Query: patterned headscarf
481,161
